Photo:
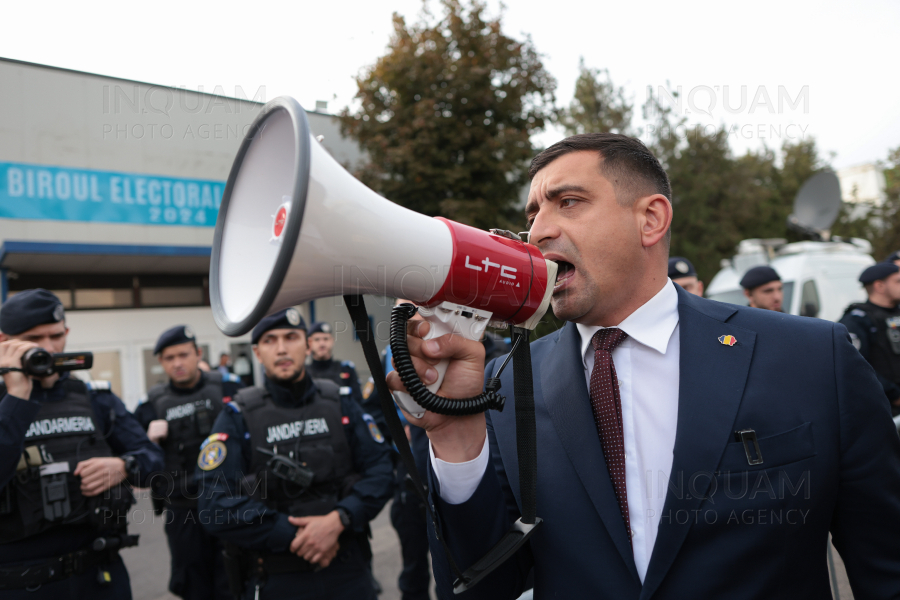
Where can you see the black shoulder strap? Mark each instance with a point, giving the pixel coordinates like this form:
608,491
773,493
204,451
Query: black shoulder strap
328,389
251,398
213,376
523,528
75,385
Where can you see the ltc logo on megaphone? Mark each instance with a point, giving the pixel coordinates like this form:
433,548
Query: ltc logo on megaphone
295,226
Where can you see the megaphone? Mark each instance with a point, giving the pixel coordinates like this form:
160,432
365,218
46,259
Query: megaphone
294,226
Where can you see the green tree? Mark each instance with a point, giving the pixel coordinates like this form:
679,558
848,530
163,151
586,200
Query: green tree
720,199
597,106
446,116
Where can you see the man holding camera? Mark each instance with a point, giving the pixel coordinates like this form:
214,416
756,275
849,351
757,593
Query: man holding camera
68,451
178,415
291,476
685,448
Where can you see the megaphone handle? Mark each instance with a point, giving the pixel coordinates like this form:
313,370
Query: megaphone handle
441,324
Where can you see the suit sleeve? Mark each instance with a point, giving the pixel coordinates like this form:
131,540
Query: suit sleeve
472,528
15,417
127,436
866,523
858,328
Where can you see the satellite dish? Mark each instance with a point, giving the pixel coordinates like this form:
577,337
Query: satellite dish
817,205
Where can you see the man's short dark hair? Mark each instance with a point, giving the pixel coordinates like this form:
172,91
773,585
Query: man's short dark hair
625,161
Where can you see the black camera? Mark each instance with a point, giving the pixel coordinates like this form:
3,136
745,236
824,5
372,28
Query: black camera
37,362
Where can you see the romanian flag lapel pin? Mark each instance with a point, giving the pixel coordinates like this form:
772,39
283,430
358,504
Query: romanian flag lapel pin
727,340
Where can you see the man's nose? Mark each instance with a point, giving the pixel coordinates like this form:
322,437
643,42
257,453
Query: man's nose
543,229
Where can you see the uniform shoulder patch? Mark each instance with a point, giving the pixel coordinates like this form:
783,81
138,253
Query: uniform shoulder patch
212,454
231,377
373,428
857,313
216,437
234,406
345,390
99,385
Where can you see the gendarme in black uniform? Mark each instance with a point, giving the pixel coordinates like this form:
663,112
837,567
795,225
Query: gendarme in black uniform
341,372
48,530
248,496
196,571
875,331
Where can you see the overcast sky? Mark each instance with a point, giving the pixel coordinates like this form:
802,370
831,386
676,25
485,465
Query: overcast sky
825,69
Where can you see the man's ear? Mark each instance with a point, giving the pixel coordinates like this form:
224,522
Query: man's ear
747,293
256,352
4,337
655,218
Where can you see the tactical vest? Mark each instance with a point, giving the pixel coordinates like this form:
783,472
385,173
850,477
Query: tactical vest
44,493
312,436
884,342
190,418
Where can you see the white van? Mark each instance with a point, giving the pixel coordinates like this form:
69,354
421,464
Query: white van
820,278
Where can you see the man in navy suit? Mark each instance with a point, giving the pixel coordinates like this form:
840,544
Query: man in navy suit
686,448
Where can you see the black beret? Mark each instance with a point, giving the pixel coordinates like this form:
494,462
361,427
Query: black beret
29,309
877,272
758,276
289,318
320,327
893,257
180,334
681,267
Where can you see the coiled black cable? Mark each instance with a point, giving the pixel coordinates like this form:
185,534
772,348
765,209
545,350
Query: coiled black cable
487,400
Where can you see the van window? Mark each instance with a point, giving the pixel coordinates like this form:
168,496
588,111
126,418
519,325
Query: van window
731,297
809,300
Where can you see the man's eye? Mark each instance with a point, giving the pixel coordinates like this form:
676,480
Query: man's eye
568,202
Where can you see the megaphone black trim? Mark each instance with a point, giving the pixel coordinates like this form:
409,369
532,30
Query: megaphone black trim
292,229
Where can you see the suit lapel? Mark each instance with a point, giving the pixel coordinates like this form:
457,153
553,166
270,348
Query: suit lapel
565,393
712,380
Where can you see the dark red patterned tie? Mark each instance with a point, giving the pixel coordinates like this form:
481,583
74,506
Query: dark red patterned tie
607,406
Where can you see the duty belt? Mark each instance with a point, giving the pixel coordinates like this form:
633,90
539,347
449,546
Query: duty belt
16,577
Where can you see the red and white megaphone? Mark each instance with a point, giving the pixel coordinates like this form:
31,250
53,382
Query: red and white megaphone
295,226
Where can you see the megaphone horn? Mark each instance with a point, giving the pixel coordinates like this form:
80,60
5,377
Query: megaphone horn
294,226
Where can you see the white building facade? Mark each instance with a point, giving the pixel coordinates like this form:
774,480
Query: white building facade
109,193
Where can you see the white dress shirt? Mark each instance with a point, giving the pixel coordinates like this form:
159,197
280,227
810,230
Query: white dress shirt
647,366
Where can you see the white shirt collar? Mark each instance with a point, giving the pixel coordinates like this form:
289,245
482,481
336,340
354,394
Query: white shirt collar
651,325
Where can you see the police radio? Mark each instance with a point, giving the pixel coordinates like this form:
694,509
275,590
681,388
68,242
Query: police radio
294,226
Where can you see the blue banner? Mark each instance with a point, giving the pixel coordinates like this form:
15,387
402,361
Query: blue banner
64,194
